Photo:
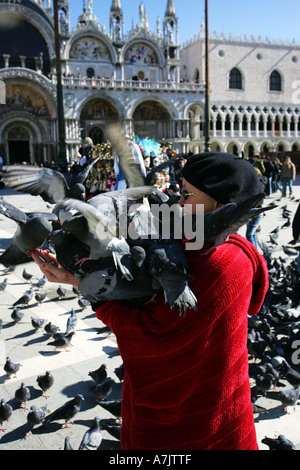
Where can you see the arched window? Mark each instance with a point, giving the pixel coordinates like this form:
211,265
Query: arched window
227,123
90,73
235,79
275,81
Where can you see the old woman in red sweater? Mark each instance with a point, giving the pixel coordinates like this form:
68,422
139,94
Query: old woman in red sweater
186,385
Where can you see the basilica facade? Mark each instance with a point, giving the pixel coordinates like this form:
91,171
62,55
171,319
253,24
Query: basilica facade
145,79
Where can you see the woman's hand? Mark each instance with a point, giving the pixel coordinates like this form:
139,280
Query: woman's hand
51,268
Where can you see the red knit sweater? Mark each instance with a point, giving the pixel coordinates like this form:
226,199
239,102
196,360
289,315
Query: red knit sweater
186,384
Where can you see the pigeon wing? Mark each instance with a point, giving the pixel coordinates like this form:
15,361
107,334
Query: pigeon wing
12,212
128,166
101,226
45,182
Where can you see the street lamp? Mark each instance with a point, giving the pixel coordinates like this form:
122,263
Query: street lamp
61,156
207,87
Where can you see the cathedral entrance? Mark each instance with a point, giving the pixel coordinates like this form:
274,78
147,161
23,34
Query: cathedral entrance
19,151
18,145
96,134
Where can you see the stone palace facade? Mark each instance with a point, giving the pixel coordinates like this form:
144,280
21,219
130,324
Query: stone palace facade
145,79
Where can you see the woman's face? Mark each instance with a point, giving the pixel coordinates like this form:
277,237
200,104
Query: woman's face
194,196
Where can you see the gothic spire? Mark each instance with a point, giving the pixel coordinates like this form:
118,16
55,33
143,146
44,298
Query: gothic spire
170,10
116,6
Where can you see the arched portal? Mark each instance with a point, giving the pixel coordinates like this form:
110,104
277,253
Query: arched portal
152,120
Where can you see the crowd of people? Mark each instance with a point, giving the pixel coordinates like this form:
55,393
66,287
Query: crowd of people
279,176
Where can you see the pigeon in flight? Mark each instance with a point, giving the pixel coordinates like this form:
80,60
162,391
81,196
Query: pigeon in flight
32,230
222,222
50,184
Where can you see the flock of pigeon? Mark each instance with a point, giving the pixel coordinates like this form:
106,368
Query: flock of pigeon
274,334
108,266
39,417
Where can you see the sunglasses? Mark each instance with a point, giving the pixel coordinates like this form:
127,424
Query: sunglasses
186,194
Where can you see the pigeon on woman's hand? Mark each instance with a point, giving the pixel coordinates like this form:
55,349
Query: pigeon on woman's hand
31,233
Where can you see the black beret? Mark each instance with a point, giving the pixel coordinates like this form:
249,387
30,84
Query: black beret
223,176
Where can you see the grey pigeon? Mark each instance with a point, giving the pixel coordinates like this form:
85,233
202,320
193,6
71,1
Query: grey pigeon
45,382
25,298
289,397
40,296
30,234
27,276
41,282
83,303
168,268
11,368
67,411
5,412
70,251
61,291
291,375
37,323
36,416
100,374
17,316
3,285
92,437
71,322
104,389
51,329
50,184
102,214
10,269
62,341
228,219
278,443
22,394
